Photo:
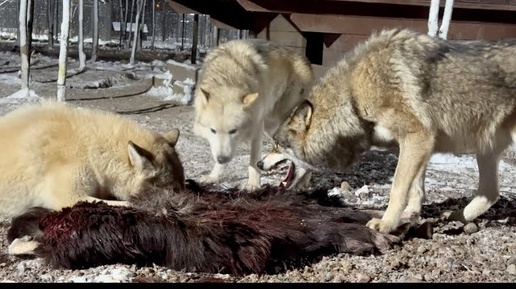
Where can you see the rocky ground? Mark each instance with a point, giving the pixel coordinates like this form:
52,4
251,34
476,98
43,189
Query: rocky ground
483,251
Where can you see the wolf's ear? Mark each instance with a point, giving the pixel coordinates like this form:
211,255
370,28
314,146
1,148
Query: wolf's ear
172,136
139,157
204,95
302,117
248,99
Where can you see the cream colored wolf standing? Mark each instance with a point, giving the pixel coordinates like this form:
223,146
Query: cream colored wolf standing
55,155
425,94
248,87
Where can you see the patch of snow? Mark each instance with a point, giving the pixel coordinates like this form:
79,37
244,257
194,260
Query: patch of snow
109,275
186,65
161,92
334,192
363,190
21,96
10,78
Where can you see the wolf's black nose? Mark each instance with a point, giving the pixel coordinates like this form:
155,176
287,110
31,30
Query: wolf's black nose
260,165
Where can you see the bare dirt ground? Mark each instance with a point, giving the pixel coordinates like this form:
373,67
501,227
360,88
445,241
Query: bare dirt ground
481,252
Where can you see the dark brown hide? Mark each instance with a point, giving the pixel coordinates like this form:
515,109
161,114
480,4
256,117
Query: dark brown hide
202,231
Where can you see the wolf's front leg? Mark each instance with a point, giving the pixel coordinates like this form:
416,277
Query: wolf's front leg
416,197
214,176
253,182
415,150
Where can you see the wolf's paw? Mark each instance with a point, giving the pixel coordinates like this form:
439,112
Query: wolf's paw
454,216
208,179
22,246
381,225
251,186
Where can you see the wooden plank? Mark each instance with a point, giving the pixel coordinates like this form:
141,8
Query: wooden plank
288,38
280,23
364,25
509,5
287,6
180,8
346,42
252,6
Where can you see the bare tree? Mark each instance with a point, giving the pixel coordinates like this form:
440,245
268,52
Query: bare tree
25,40
55,14
153,23
126,44
95,42
443,30
131,23
82,56
182,31
121,20
142,26
63,51
139,8
50,22
195,37
433,18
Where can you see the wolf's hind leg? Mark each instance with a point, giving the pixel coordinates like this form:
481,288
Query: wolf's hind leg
415,150
488,191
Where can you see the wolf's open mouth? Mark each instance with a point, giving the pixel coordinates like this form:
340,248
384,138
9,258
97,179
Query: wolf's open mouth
289,177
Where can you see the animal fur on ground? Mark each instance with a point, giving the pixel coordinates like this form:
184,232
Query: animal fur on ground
247,88
55,155
208,231
426,95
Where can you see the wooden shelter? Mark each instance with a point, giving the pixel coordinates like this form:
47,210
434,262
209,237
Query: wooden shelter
324,29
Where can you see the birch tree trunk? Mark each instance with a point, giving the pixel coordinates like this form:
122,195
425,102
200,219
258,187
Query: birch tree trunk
26,18
139,8
63,52
95,42
433,18
142,25
153,23
445,24
131,23
24,48
18,32
82,56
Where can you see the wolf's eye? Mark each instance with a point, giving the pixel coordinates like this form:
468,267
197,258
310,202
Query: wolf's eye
233,131
213,131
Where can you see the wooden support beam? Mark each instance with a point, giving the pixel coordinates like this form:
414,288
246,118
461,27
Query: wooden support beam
365,25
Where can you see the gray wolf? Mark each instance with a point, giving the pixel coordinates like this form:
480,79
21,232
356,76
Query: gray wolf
201,231
425,95
247,88
55,155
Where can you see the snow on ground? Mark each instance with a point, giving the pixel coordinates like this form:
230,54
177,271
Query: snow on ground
21,96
